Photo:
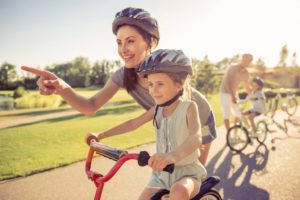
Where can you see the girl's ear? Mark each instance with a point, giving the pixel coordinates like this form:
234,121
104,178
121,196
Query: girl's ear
179,86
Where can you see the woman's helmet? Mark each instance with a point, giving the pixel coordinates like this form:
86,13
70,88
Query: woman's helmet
166,60
136,17
258,81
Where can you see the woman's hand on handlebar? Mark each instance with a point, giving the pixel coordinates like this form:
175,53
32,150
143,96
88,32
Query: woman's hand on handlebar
48,82
159,161
89,137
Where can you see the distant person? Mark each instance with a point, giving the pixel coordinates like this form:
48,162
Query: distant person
177,126
137,34
234,75
257,99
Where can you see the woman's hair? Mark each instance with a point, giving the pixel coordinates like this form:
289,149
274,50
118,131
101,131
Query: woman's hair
182,78
130,74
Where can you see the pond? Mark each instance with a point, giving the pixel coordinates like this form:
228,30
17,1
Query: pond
6,103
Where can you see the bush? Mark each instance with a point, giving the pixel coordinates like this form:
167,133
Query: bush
35,100
19,92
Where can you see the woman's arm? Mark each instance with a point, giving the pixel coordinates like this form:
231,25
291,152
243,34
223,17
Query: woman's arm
49,84
129,125
89,106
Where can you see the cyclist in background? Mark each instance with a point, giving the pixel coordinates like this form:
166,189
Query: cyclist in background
232,78
257,99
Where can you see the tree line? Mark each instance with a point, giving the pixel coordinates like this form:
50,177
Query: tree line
207,75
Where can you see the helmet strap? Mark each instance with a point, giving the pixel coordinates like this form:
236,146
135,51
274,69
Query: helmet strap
167,103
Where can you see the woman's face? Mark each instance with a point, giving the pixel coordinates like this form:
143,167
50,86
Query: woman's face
132,47
162,88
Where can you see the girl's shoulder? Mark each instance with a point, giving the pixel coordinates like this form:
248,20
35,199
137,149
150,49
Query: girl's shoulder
188,104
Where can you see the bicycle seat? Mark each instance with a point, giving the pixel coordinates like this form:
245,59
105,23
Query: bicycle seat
206,185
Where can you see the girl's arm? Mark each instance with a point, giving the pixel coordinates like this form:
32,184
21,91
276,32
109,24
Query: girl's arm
127,126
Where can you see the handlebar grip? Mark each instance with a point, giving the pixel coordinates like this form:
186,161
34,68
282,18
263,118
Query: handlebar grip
109,152
143,161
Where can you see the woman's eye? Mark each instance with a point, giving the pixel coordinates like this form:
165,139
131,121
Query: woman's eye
130,41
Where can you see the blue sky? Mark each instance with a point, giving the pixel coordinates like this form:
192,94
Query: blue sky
43,32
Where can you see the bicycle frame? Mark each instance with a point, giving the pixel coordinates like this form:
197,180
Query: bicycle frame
117,155
100,179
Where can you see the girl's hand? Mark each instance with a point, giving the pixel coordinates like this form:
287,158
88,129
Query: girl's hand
159,161
48,82
89,137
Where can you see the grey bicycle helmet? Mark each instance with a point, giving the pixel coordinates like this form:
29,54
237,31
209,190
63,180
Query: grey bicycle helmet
166,60
136,17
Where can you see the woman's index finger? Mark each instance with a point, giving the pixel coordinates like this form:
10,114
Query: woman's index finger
39,72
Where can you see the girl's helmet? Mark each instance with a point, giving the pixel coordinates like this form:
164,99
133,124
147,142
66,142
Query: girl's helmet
258,81
166,61
136,17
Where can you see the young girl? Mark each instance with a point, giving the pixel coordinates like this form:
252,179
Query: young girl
257,99
177,125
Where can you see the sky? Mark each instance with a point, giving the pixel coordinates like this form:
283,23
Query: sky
40,33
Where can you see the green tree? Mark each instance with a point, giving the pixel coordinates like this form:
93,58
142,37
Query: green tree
205,78
259,67
294,60
101,72
75,73
283,56
80,72
8,76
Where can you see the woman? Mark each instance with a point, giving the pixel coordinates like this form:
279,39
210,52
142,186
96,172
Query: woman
137,35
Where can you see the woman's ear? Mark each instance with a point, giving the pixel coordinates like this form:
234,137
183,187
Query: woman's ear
153,43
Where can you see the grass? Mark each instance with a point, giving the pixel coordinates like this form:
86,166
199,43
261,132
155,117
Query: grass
40,146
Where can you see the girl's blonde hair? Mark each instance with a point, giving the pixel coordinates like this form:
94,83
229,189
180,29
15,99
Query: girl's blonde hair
183,79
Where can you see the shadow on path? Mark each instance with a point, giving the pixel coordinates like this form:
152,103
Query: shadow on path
236,175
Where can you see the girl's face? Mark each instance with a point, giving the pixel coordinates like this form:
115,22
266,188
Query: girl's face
132,47
255,86
162,88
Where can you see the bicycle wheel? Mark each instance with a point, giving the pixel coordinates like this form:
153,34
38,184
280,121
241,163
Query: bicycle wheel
261,131
237,138
269,105
291,106
212,194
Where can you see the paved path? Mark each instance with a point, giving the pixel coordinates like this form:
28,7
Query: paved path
257,173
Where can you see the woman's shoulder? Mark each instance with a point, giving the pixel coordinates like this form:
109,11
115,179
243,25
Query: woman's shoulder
118,77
